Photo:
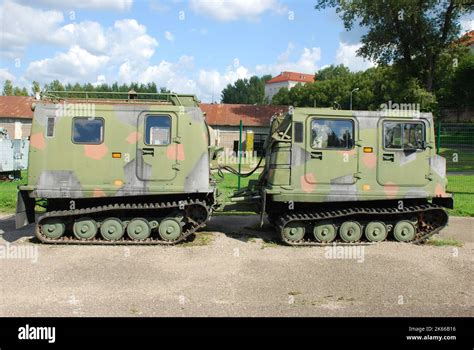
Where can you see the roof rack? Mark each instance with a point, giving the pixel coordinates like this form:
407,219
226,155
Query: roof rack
131,96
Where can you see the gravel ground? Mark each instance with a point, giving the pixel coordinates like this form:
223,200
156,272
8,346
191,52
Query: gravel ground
237,271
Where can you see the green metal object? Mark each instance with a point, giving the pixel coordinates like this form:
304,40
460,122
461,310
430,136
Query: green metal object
350,231
85,228
438,143
294,231
138,229
169,229
240,153
112,229
376,231
325,231
404,231
53,228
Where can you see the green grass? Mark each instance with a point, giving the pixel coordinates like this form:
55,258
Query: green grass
229,185
200,239
439,242
462,187
8,192
464,157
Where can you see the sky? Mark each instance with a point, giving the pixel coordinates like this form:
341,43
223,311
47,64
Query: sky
195,46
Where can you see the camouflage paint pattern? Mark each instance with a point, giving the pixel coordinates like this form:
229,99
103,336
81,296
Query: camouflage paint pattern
298,172
60,168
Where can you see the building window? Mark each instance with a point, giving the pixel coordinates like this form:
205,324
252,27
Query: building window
158,130
88,130
403,136
258,142
332,133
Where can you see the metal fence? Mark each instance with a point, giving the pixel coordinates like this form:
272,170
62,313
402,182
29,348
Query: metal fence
455,142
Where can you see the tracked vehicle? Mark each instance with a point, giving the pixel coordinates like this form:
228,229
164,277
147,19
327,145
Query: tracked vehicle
120,169
135,169
351,177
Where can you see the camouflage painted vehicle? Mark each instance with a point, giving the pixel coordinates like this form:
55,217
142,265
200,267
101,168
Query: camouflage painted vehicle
351,176
118,169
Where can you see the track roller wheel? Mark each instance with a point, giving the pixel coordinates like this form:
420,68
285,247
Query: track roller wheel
112,229
376,231
53,228
350,231
85,228
324,231
138,229
404,231
294,231
170,229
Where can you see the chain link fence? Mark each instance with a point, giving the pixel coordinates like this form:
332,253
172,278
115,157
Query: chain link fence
455,142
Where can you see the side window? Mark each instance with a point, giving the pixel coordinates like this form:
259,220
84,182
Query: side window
158,130
332,133
404,136
50,127
87,130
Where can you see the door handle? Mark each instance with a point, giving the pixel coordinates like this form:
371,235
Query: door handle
317,155
148,152
388,157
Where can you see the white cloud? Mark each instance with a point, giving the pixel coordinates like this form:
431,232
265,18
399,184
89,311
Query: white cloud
129,40
172,75
231,10
467,25
346,55
306,62
88,35
169,36
22,25
75,65
211,82
120,5
5,75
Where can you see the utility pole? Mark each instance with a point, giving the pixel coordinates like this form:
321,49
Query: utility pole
356,89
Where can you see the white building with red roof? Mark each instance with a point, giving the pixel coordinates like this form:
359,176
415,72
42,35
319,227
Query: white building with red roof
288,80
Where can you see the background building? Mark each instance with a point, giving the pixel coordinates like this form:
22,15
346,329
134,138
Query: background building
288,80
225,120
16,116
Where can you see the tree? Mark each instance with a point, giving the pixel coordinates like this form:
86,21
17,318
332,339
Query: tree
458,90
7,88
17,91
35,87
410,34
376,86
248,91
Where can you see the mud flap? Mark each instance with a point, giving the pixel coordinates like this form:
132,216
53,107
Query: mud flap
446,202
25,210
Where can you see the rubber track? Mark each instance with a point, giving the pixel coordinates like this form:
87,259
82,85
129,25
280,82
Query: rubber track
372,212
125,240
